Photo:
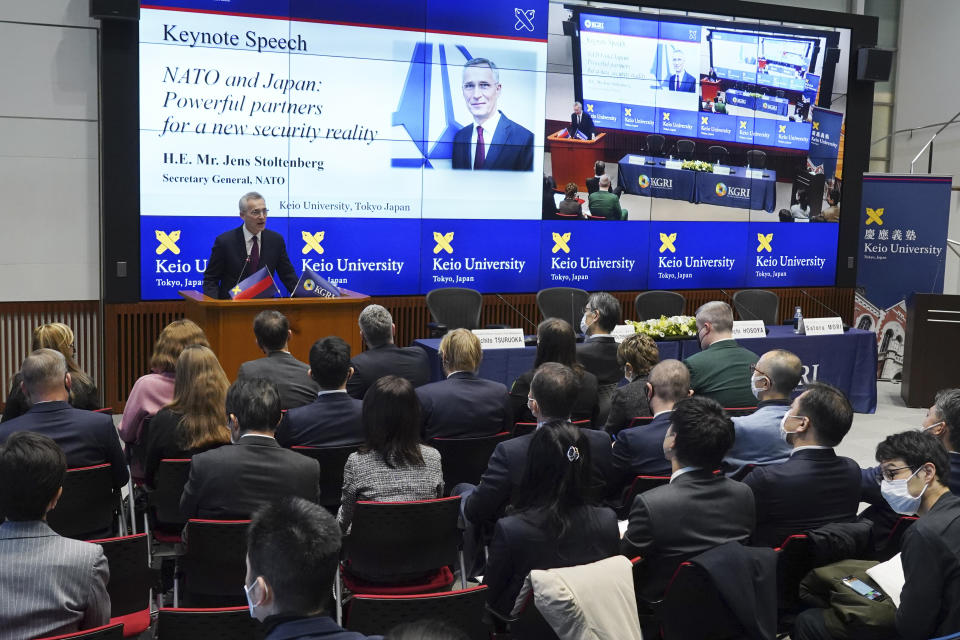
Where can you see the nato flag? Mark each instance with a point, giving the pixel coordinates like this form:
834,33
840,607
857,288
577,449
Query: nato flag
313,285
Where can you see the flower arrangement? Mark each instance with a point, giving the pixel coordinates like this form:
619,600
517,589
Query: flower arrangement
664,327
697,165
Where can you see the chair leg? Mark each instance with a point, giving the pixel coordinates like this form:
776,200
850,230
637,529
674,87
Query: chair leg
176,589
463,571
337,596
131,504
146,530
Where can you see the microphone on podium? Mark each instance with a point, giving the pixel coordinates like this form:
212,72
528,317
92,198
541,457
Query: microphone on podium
846,327
246,261
517,311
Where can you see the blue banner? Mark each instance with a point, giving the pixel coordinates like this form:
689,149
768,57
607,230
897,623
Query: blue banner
903,234
825,139
639,118
677,122
606,115
574,255
691,255
795,255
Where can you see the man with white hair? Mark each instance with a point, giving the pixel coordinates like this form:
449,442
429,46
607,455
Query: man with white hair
722,368
679,79
604,204
383,357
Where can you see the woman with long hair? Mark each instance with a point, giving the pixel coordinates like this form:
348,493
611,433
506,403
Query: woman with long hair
59,337
391,465
155,389
637,354
556,342
195,420
551,523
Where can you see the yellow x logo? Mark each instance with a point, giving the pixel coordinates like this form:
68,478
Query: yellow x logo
666,242
560,242
627,112
743,124
666,116
167,241
443,242
816,125
874,215
313,241
764,242
703,119
783,128
589,108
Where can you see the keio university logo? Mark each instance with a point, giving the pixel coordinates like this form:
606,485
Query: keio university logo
443,241
764,240
560,242
312,242
524,20
169,241
874,216
666,242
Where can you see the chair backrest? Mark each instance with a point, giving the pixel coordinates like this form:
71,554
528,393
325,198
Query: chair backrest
455,307
563,302
650,305
896,533
713,620
757,304
463,609
106,632
795,559
226,623
88,504
106,410
717,154
168,482
638,486
130,574
523,428
465,459
403,538
655,143
686,149
215,562
756,159
736,412
332,461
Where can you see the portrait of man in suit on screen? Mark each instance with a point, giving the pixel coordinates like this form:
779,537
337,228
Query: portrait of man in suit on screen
679,79
493,141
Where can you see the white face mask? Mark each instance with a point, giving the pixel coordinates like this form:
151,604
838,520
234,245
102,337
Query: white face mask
753,385
784,434
583,323
250,604
925,429
898,496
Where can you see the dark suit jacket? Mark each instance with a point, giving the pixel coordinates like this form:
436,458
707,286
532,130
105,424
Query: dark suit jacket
598,355
510,150
524,542
387,359
930,600
639,451
586,124
593,184
570,207
586,406
235,480
722,372
86,438
228,258
289,374
813,488
331,420
464,406
672,523
627,402
687,83
505,471
314,628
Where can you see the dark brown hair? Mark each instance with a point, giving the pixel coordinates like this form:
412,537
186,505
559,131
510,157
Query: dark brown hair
391,422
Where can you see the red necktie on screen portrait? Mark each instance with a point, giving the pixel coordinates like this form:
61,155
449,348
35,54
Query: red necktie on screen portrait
254,255
478,157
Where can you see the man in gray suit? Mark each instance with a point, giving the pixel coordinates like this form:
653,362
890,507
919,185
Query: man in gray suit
292,377
49,585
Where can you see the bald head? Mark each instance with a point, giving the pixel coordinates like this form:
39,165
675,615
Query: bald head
670,380
45,376
782,371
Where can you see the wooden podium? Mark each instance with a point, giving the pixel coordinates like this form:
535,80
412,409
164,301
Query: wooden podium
932,341
229,323
573,159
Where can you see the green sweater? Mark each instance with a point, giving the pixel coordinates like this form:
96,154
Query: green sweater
722,372
604,204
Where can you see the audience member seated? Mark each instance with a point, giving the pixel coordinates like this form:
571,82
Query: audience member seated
639,450
86,438
598,351
333,418
551,524
775,376
272,331
549,209
293,553
637,354
832,212
463,405
570,205
556,342
815,486
552,394
605,204
721,370
800,210
382,357
599,170
235,480
914,480
194,422
57,336
698,510
155,390
392,465
49,585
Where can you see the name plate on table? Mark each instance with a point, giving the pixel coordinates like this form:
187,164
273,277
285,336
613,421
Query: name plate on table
821,326
636,160
674,164
721,171
755,174
749,329
622,331
500,338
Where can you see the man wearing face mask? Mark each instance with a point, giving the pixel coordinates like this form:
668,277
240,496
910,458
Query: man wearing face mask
758,442
914,469
815,486
235,480
598,352
721,370
293,549
86,438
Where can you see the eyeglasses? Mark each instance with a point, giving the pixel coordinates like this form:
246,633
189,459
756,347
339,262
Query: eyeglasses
753,369
891,473
259,213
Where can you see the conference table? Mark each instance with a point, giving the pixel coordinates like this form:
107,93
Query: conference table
848,361
767,104
652,177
